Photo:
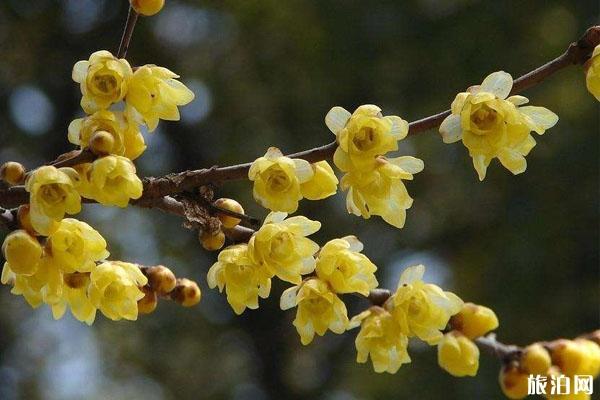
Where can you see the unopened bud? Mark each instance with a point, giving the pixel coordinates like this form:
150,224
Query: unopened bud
12,173
147,7
535,359
211,241
229,204
513,382
101,143
148,303
161,279
187,293
474,320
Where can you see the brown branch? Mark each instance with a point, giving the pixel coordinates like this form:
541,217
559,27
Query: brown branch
504,352
132,18
8,219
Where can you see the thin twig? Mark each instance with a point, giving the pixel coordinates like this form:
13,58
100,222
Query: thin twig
132,17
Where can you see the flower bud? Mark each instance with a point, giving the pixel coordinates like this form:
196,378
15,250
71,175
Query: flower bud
474,320
458,355
161,279
536,359
22,251
101,143
229,204
211,241
513,382
147,7
24,218
187,293
12,173
570,356
148,303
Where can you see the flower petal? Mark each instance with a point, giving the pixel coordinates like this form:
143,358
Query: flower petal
337,118
499,83
540,118
450,129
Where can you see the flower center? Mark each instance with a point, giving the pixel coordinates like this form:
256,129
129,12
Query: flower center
365,139
105,84
484,118
278,180
53,193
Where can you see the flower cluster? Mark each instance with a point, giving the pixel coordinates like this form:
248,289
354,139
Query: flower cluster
374,182
416,309
281,182
493,125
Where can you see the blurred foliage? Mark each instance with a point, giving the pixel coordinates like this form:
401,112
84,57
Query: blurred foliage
265,73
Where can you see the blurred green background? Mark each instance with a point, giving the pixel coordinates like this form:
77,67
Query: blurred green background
265,73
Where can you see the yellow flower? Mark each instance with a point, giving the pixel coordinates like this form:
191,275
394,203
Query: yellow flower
474,320
492,125
111,181
535,359
75,296
381,339
513,382
52,193
576,357
155,94
381,191
277,180
592,75
103,80
22,251
44,286
322,184
281,249
114,289
241,278
458,355
423,309
341,264
319,309
363,135
75,246
127,138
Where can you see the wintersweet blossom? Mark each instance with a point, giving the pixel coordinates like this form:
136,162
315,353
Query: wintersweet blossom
103,80
322,184
22,252
277,180
155,93
75,297
363,135
110,180
381,339
75,246
319,309
493,125
242,279
592,74
52,194
474,320
114,289
458,355
422,309
341,264
380,191
280,247
127,138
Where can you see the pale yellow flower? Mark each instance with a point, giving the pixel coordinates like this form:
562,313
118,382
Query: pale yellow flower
243,281
75,246
423,309
494,126
114,289
474,320
75,296
319,309
592,75
381,339
322,184
380,191
458,355
52,194
280,247
127,138
341,264
277,180
155,94
111,181
363,135
22,252
44,286
103,80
